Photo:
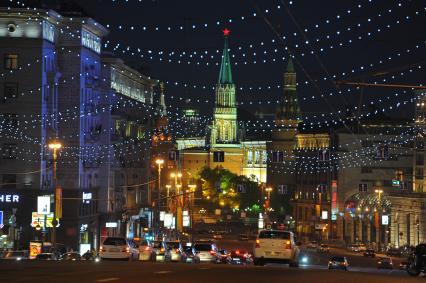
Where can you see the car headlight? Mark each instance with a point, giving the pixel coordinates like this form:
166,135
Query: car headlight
18,258
305,259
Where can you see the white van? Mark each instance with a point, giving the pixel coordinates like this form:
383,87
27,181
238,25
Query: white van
275,246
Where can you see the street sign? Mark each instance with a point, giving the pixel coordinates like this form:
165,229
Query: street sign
396,183
1,219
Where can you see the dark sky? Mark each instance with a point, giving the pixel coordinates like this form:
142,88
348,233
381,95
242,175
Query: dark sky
291,17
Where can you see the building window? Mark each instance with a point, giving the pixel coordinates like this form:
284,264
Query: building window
218,156
419,173
249,157
10,91
420,159
9,151
11,61
277,157
257,157
382,152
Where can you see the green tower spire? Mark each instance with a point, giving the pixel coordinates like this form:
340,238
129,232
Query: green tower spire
225,74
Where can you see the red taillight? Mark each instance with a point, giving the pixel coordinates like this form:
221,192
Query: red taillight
288,244
147,248
162,250
102,249
177,250
126,250
257,243
237,252
212,252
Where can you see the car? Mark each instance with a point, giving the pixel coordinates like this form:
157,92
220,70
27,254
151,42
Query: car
70,256
385,262
176,251
160,251
323,248
240,257
243,237
191,255
275,246
118,248
313,245
146,252
403,265
217,236
393,252
46,256
225,257
207,251
370,253
338,262
16,255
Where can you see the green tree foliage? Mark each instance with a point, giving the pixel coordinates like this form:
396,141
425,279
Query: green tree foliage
228,197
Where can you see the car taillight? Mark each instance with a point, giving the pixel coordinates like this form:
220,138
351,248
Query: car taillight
212,252
147,248
257,243
237,252
288,244
162,250
101,249
126,250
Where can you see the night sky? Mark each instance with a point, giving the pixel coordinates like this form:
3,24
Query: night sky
400,23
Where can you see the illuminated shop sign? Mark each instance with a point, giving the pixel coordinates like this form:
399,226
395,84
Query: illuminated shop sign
9,198
91,41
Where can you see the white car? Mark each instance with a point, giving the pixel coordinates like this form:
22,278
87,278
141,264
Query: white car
274,246
118,248
207,252
146,252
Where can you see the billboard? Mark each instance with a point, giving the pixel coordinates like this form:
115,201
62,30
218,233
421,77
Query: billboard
385,219
44,220
43,205
35,249
168,220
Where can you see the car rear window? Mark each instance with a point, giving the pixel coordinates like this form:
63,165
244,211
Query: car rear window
338,259
173,245
158,244
202,247
274,235
115,242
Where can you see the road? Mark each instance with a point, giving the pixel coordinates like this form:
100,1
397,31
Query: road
117,271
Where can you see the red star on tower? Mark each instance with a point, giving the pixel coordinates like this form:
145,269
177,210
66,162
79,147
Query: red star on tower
226,32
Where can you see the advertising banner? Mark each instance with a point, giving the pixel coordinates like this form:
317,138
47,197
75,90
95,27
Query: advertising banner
43,205
39,219
35,249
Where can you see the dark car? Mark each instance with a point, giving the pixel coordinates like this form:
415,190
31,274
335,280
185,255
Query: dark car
46,256
225,257
71,256
385,262
240,257
191,255
243,237
370,253
338,262
403,265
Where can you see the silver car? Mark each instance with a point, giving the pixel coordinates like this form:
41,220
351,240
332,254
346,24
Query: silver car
176,251
207,252
160,250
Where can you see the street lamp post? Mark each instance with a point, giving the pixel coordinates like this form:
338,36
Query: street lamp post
268,190
379,192
177,187
159,162
55,146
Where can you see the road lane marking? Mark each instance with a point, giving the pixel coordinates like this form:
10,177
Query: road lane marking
108,279
163,272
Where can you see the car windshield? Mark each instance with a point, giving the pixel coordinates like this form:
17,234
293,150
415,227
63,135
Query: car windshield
274,235
385,259
188,249
158,245
338,259
115,242
202,247
144,243
173,245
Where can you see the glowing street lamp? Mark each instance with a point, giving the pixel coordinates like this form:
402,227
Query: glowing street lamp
159,162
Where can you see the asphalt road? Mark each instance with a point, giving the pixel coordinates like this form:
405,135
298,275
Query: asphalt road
117,271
